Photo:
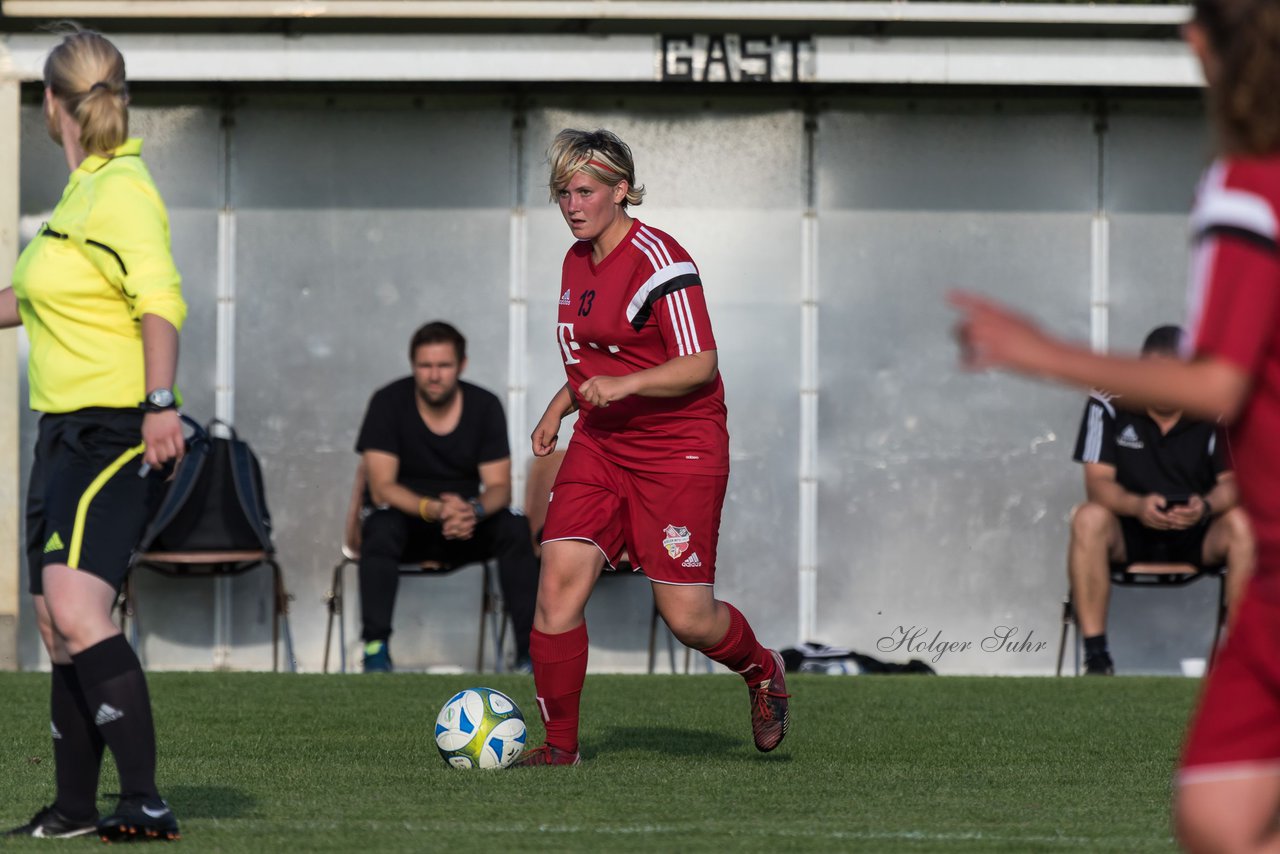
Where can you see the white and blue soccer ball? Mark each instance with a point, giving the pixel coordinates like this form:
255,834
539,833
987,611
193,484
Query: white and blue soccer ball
480,728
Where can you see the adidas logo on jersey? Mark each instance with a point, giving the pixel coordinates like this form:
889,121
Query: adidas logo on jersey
691,560
54,544
106,714
564,298
1129,438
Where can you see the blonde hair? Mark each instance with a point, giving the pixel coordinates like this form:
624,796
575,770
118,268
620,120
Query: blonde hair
600,154
86,73
1245,101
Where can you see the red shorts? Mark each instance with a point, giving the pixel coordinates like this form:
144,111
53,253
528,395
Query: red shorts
668,524
1236,729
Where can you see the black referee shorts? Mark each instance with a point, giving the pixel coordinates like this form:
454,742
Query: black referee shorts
1146,545
87,507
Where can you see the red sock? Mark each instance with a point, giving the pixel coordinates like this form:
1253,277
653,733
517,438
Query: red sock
739,650
559,669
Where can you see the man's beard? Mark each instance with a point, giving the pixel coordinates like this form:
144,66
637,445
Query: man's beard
444,400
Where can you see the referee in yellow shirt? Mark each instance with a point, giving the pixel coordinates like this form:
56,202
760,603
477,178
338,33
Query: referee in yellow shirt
101,301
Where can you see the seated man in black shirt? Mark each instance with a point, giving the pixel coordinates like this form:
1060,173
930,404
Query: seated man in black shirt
1159,490
429,441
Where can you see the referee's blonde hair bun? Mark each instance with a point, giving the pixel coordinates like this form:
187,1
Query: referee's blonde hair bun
86,73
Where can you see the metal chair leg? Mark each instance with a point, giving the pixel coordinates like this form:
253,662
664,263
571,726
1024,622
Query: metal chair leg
1222,617
333,601
128,617
484,615
282,615
653,637
671,646
497,609
275,616
1068,620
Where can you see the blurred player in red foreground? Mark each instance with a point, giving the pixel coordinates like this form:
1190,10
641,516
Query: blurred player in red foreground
647,467
1228,792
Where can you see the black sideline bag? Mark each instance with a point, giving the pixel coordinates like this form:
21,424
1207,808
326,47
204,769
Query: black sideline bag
836,660
215,501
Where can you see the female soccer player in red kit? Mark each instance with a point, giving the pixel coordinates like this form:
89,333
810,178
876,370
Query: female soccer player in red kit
646,470
1228,793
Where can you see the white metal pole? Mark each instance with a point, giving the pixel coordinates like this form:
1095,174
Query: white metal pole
10,564
1100,282
808,521
225,373
808,463
518,320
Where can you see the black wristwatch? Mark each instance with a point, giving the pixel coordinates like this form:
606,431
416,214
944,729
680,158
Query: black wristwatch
158,401
477,507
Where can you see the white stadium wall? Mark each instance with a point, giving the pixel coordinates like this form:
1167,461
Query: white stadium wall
876,491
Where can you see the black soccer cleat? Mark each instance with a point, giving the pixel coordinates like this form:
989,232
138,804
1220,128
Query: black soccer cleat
51,824
139,818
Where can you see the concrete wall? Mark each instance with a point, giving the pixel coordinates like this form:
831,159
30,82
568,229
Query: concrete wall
332,227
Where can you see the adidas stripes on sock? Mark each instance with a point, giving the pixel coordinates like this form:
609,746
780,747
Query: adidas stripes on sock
77,746
739,650
559,672
116,691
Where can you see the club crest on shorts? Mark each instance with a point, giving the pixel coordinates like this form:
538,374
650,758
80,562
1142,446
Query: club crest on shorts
676,541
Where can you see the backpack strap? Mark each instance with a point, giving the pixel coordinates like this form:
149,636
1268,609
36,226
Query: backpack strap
183,483
246,474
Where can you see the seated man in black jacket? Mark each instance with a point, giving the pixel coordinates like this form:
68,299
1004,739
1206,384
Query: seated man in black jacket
1159,489
429,443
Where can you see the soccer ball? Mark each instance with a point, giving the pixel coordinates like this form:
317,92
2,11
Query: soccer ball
480,728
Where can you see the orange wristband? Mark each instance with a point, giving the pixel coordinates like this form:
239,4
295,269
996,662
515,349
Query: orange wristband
422,509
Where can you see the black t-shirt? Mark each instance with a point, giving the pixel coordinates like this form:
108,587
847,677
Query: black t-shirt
431,464
1186,460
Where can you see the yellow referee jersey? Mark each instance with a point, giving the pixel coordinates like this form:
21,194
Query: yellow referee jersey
83,283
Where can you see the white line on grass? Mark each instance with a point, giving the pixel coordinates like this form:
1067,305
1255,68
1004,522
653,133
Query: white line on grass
977,836
1088,842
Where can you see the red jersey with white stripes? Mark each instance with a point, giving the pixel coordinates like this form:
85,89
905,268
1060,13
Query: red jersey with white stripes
1235,316
638,308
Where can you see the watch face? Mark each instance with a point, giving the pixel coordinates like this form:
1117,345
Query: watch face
161,397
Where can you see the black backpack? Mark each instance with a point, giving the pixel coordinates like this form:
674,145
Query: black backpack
215,501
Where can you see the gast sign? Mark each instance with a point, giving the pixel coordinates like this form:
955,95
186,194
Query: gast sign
730,58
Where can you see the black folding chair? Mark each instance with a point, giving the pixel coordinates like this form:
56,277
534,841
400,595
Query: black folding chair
1149,575
214,564
492,613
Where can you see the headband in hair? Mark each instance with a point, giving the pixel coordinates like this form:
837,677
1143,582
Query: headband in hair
605,166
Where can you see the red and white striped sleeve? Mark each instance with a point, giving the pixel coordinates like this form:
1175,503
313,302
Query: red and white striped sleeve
672,295
1234,301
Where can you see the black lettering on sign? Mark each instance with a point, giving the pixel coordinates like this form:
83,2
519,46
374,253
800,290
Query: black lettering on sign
715,68
731,58
677,57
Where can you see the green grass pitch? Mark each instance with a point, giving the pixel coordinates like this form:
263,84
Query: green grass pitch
264,762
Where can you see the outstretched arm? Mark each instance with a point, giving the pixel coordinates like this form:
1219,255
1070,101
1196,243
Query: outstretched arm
993,336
